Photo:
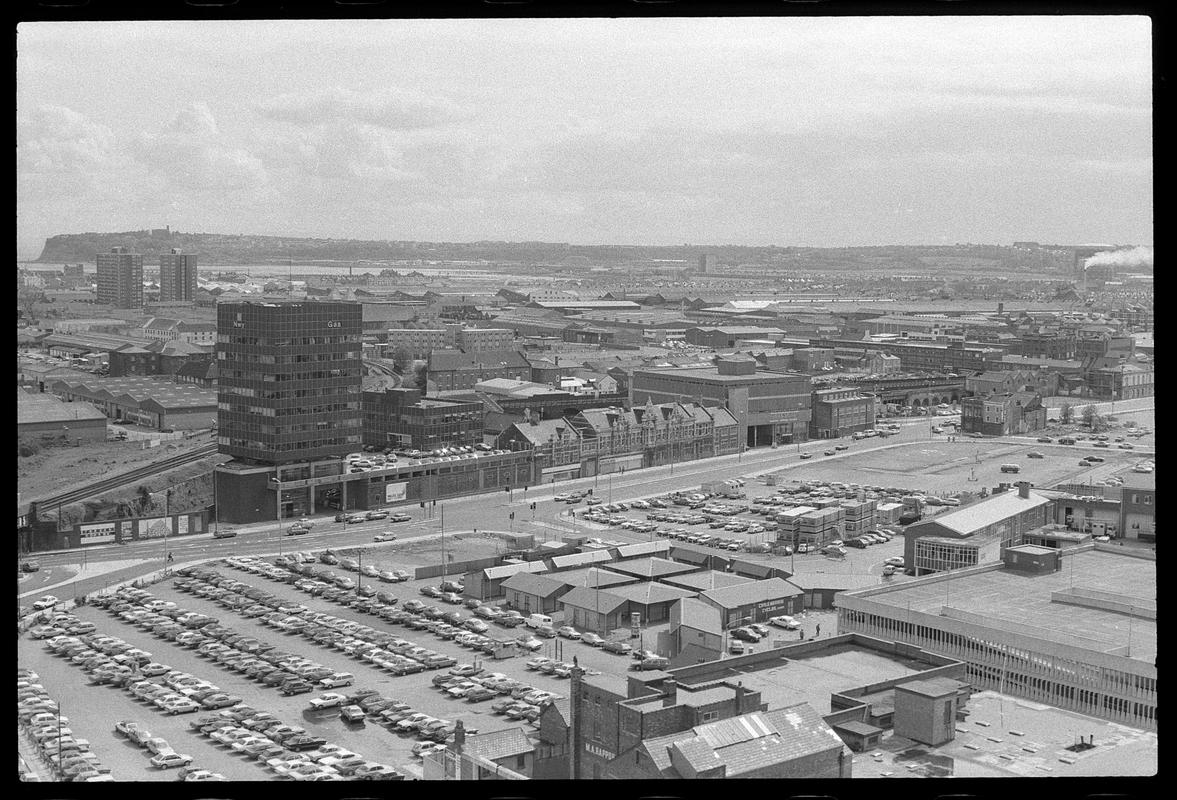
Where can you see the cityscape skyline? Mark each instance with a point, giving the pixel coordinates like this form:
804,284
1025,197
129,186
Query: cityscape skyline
801,132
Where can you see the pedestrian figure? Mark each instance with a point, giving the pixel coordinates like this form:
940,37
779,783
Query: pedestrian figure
169,558
801,634
818,630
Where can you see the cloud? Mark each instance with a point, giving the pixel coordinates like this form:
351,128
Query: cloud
190,154
392,109
55,139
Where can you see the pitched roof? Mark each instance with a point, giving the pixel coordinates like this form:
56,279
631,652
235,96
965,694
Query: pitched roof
507,743
745,743
580,559
742,594
652,567
595,599
507,570
999,507
649,593
530,583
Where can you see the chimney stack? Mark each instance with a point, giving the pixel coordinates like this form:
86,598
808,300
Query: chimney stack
670,687
1024,489
740,697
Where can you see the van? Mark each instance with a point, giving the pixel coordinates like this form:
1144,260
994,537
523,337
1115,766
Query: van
538,621
1010,468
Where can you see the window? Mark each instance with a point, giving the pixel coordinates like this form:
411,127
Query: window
520,762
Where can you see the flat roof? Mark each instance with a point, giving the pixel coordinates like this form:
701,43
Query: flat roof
813,678
711,375
1023,600
743,594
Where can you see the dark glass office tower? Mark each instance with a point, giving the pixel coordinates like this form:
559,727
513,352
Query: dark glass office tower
289,380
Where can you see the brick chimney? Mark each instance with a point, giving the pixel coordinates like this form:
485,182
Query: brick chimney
740,697
670,687
459,736
1024,489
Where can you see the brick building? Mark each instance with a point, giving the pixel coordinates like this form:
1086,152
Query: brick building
1003,415
840,412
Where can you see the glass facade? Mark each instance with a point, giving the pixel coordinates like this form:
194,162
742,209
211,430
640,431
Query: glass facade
289,380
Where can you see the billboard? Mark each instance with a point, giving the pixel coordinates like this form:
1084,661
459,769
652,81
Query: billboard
395,492
97,533
181,525
155,528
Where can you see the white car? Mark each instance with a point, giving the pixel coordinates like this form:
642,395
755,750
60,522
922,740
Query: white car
46,602
169,760
329,700
786,622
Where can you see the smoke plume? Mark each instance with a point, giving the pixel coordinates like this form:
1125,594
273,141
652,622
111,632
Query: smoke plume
1129,257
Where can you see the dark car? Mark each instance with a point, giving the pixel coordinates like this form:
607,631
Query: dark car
297,686
304,742
30,566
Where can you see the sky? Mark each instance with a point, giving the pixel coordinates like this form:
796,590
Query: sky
756,131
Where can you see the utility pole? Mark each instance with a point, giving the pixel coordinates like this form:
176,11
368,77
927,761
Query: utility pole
359,572
443,564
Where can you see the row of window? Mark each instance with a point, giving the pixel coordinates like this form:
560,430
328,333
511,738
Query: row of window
295,341
282,447
266,411
303,358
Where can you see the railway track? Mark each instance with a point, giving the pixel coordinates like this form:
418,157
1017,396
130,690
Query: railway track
125,478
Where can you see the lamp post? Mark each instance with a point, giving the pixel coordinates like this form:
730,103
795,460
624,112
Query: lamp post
443,562
359,572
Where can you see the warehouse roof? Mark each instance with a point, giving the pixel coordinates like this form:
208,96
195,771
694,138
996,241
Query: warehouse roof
507,570
506,743
42,408
972,518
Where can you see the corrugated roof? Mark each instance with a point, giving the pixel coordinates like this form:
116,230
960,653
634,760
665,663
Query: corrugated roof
507,743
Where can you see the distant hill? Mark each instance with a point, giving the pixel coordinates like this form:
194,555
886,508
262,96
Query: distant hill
216,249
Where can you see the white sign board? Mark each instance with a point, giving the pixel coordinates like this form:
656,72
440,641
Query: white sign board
97,534
395,492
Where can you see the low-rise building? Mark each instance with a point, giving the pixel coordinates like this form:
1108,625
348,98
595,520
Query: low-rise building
974,534
1003,415
43,416
840,412
451,370
753,601
1138,507
404,418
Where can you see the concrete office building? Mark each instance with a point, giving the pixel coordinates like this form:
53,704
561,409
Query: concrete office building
403,418
474,340
771,407
289,380
1075,629
417,342
120,278
177,276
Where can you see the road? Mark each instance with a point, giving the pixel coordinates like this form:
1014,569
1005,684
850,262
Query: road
913,458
